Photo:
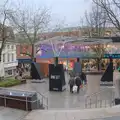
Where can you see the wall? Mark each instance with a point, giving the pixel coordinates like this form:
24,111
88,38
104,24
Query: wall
23,48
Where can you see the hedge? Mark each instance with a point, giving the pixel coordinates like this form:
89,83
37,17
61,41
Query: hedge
9,82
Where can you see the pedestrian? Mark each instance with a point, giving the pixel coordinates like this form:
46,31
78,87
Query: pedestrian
83,78
78,82
20,72
71,83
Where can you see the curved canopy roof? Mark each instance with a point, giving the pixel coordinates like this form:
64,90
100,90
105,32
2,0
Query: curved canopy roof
67,47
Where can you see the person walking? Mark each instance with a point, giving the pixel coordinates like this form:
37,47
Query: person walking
78,82
71,83
83,78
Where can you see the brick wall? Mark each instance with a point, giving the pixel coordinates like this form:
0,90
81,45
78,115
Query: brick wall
24,48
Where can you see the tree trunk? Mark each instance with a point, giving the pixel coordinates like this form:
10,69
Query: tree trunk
32,54
0,55
56,61
32,58
0,64
98,64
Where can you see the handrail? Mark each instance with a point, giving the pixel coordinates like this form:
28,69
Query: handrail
3,88
89,97
18,99
44,97
95,93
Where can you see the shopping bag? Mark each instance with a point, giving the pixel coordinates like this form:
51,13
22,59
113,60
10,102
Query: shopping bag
75,88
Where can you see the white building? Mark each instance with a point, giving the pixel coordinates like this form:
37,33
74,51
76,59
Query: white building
8,60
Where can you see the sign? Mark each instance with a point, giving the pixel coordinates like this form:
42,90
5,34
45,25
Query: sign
55,77
114,56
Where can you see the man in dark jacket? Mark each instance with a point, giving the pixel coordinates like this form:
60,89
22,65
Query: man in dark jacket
78,82
83,77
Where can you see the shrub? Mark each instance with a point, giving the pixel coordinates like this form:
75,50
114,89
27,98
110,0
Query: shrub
9,82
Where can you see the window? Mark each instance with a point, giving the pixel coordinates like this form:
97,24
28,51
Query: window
12,47
8,46
8,72
8,57
12,57
3,57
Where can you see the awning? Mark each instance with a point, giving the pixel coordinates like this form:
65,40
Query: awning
24,60
67,47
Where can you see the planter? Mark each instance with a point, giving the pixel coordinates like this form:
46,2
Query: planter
93,82
19,100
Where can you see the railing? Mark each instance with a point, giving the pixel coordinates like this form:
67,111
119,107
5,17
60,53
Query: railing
42,98
100,99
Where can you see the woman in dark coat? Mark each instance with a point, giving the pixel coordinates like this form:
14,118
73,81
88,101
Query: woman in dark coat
78,82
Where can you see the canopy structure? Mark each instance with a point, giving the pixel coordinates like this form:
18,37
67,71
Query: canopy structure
67,47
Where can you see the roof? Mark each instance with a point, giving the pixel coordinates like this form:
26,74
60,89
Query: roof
75,40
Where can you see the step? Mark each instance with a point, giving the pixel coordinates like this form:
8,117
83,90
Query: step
74,114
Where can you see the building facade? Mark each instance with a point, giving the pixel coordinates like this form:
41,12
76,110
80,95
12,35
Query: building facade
72,32
9,60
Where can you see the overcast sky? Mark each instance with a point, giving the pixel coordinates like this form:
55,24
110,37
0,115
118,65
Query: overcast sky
69,11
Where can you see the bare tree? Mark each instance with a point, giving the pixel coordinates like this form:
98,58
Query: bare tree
29,25
99,50
96,21
5,31
112,9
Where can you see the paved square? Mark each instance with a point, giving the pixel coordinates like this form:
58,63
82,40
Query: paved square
57,100
11,114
